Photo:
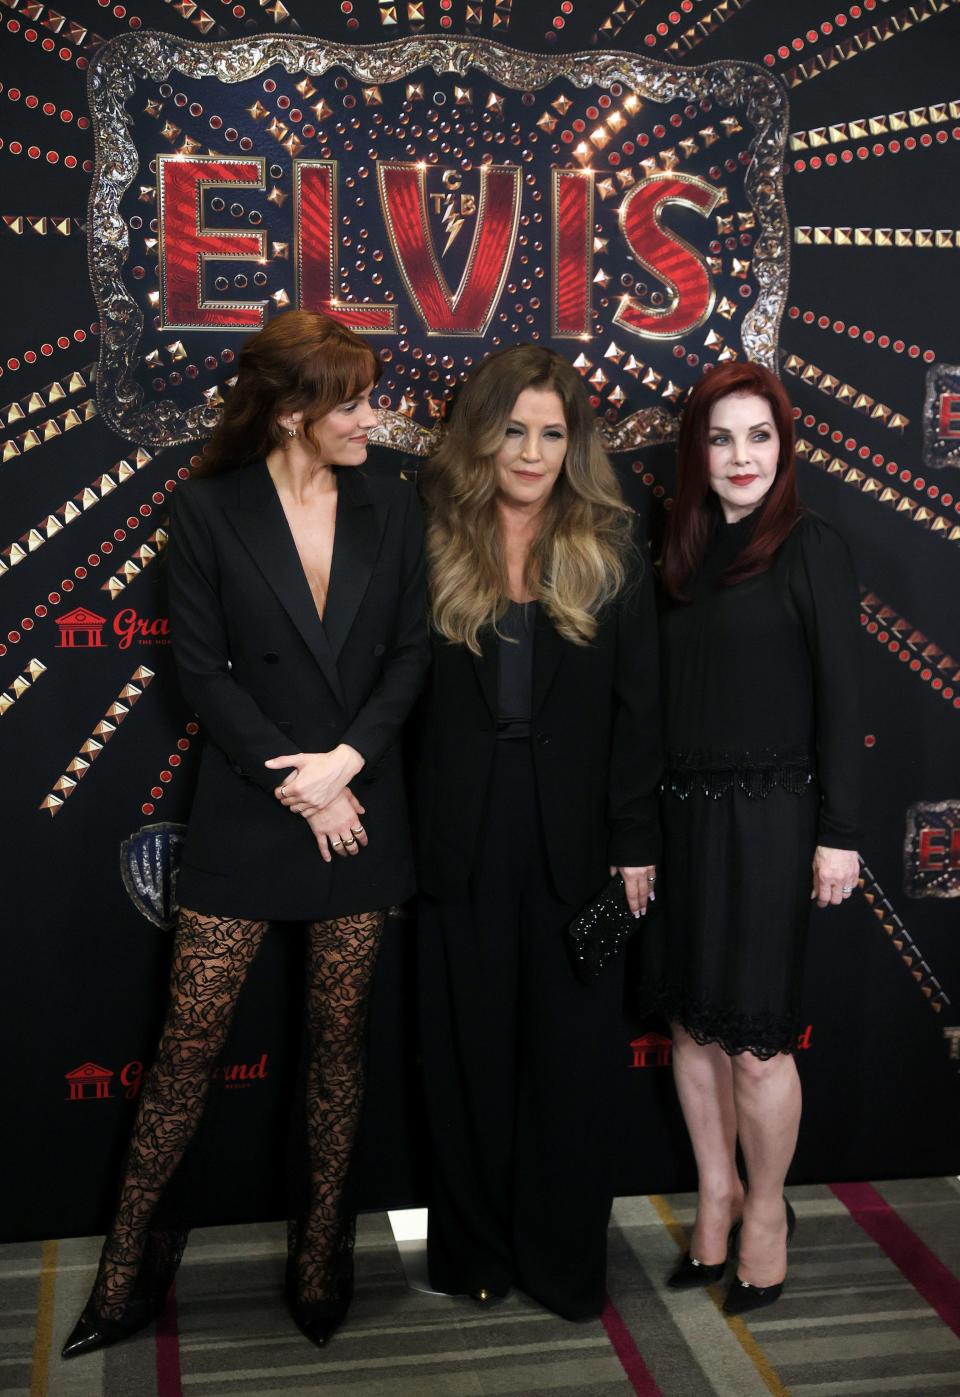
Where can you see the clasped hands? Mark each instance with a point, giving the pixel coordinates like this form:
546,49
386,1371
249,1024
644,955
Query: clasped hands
318,790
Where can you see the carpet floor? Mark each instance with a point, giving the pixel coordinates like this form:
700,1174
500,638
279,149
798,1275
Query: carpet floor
871,1308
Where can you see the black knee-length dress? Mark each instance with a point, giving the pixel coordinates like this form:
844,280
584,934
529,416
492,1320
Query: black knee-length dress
759,681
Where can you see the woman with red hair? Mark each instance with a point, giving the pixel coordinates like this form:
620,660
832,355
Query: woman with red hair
759,636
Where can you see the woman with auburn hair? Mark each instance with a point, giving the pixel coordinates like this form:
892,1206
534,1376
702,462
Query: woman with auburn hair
298,621
537,781
759,637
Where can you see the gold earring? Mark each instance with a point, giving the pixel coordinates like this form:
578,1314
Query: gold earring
291,431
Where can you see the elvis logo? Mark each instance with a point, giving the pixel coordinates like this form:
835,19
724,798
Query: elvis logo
941,416
442,197
931,850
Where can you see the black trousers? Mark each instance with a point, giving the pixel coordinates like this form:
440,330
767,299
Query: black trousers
521,1065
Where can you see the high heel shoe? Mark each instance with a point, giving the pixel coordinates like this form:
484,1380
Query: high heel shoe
148,1299
690,1272
742,1297
318,1320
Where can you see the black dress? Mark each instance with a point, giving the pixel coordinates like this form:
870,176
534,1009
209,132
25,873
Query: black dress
763,737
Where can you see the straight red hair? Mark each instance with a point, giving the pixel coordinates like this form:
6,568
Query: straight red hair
688,528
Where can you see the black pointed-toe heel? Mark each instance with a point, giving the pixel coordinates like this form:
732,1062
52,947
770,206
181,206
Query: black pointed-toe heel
161,1258
691,1273
92,1332
742,1297
318,1320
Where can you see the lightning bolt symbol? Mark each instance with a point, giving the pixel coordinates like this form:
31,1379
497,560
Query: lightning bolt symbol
452,222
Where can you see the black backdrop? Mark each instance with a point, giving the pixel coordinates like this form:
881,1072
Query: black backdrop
83,969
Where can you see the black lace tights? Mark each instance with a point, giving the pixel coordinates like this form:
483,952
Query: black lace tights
211,958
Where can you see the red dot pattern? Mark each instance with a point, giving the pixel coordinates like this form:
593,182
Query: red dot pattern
854,332
909,655
66,55
14,363
174,759
893,147
813,36
649,479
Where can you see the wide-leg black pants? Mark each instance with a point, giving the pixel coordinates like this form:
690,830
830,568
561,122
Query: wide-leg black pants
521,1066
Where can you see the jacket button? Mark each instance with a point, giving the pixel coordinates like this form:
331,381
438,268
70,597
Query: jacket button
379,649
271,657
542,738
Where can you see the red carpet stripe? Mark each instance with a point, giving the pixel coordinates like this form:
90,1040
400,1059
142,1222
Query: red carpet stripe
925,1271
631,1359
168,1351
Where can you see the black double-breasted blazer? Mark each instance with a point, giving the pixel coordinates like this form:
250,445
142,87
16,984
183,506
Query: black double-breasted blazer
595,742
266,677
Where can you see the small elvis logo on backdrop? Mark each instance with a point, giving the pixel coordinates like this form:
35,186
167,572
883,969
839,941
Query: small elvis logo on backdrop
931,850
941,417
443,197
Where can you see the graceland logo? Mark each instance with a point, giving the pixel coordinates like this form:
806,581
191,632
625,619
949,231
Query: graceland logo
82,629
91,1082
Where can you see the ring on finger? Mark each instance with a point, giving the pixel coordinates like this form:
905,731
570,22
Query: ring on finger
347,842
283,792
357,829
335,843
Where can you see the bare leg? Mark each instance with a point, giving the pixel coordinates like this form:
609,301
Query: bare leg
342,957
210,963
767,1095
705,1085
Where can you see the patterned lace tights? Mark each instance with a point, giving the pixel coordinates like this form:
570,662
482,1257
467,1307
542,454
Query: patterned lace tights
211,958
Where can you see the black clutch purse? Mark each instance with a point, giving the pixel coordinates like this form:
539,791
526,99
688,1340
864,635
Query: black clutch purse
601,930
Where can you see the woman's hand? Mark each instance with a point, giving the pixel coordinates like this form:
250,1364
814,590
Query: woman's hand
318,778
337,827
638,885
836,873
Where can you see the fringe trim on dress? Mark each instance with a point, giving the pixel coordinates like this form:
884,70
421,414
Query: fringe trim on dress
755,773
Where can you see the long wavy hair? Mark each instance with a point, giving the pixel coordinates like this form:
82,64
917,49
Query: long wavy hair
692,517
579,557
301,361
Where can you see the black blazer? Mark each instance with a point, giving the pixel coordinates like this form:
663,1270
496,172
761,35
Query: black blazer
266,677
595,742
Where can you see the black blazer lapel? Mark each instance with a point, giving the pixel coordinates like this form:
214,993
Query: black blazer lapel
356,543
259,519
486,668
547,654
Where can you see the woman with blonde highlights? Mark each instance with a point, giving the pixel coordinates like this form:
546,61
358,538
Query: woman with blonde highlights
537,781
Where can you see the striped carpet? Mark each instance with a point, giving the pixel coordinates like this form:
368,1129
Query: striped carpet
872,1307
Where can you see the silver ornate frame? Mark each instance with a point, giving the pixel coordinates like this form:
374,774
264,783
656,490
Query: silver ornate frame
152,55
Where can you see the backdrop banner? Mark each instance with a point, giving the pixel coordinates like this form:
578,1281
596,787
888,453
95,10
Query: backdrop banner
648,190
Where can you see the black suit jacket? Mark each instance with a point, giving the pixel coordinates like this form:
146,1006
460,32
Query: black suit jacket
595,743
266,678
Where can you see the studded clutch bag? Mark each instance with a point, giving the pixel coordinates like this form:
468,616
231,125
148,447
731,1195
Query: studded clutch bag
601,930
